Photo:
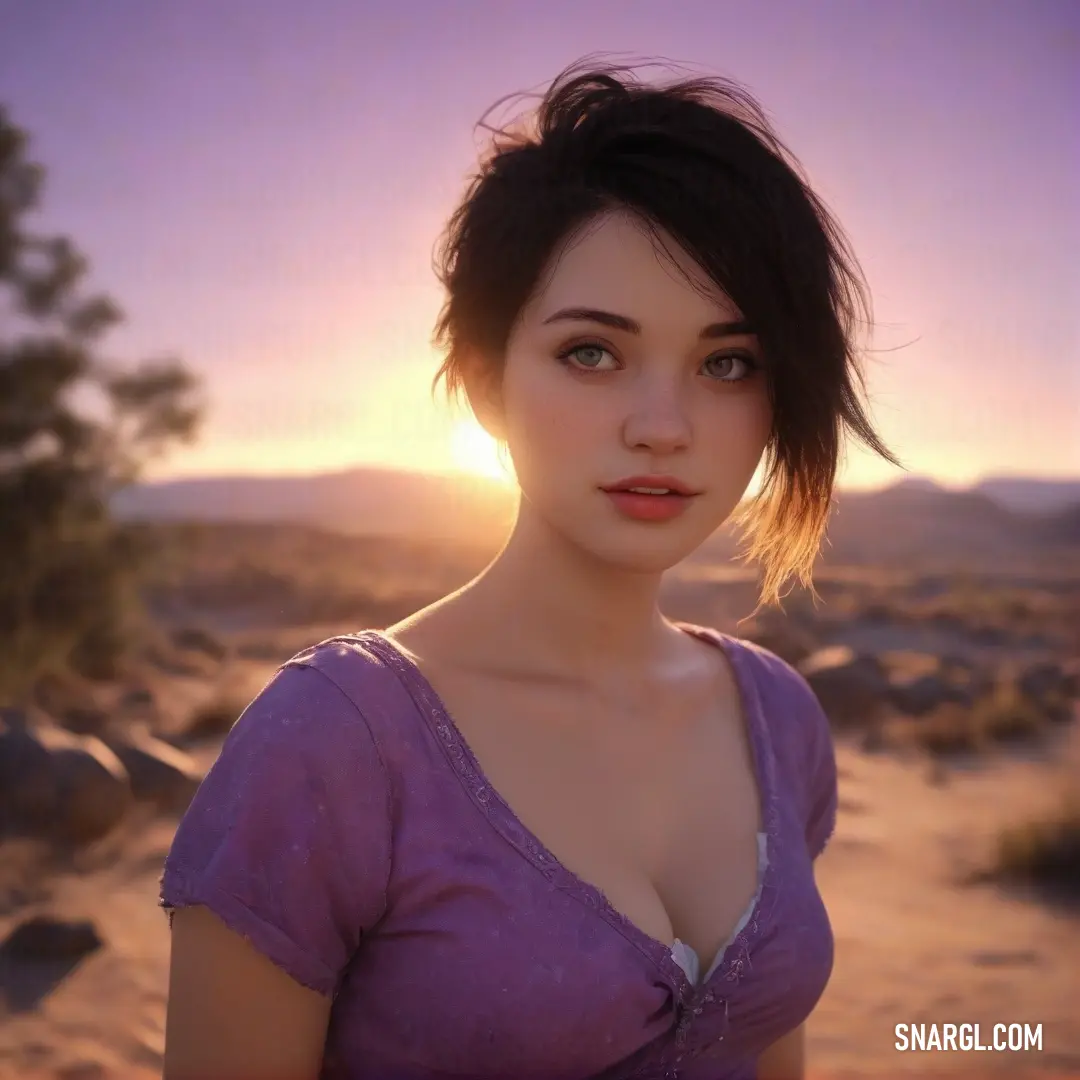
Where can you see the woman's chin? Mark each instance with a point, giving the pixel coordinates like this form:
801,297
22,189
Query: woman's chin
641,549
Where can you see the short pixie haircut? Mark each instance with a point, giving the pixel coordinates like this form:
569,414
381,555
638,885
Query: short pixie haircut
698,159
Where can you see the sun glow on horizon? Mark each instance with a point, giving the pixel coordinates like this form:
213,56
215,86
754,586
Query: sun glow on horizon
474,451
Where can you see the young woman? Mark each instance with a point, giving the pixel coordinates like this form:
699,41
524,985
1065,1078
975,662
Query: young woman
538,830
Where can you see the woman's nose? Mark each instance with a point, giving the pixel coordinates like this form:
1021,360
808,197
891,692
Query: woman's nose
657,421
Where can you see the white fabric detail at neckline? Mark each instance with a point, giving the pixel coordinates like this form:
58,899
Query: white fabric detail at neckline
685,956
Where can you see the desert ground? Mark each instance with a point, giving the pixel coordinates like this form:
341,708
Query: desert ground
933,923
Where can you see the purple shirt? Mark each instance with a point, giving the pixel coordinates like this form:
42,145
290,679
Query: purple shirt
347,831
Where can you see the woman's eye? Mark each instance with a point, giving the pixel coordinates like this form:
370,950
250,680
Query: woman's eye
729,368
589,357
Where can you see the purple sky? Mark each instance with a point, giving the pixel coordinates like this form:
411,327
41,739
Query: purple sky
260,183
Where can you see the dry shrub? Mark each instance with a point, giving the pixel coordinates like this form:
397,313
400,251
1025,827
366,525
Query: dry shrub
1045,851
1006,715
949,729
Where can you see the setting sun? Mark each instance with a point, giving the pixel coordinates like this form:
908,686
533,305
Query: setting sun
474,451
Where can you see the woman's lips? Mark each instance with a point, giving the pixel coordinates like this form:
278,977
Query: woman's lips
641,507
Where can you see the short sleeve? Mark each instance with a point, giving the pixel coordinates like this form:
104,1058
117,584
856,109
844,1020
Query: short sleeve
803,742
287,839
822,777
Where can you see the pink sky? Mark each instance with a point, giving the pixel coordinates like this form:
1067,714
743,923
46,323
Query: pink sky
260,184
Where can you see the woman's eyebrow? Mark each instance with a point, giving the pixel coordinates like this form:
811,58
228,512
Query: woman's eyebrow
623,322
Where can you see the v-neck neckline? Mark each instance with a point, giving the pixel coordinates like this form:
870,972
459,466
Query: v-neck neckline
726,966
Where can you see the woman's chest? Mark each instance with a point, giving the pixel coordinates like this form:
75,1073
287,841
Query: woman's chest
492,961
655,802
527,866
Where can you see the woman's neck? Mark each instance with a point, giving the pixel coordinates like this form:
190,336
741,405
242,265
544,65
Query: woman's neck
551,605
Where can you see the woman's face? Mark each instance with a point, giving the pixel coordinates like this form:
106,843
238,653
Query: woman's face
618,373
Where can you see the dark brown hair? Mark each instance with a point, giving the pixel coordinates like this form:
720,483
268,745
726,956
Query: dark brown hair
698,159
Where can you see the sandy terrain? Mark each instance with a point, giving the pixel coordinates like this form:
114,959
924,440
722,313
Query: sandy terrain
914,944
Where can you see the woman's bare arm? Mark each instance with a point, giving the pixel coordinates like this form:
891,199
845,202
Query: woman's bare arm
786,1058
232,1013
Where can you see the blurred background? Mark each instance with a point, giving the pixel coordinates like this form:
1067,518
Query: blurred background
218,445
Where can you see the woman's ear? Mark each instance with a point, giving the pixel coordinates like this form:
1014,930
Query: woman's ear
483,388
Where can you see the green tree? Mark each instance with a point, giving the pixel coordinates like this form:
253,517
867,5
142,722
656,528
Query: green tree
68,570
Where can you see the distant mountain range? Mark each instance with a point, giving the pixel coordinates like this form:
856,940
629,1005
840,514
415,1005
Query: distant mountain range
1024,495
999,518
926,522
1031,495
369,501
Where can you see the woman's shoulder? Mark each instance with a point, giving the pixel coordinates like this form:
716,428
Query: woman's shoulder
318,725
314,716
314,699
779,687
355,664
779,696
797,728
